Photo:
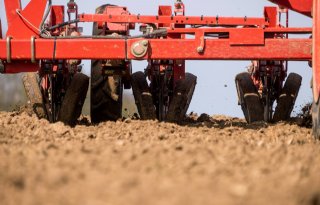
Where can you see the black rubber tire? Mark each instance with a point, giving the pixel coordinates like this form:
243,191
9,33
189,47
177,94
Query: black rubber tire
249,98
143,96
106,91
73,100
181,98
33,92
287,98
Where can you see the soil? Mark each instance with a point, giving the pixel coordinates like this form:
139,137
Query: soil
206,160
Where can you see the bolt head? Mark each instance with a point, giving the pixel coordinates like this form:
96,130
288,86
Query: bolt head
138,50
200,49
145,42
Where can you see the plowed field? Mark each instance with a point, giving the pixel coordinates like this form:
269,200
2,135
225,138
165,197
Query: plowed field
217,160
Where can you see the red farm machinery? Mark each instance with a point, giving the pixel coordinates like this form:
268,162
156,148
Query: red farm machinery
45,41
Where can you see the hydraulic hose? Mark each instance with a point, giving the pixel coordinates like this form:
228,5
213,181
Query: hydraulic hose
63,24
156,33
45,15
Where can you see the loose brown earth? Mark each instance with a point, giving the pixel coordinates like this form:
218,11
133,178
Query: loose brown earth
218,161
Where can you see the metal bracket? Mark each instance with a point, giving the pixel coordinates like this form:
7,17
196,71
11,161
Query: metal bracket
9,53
201,40
33,49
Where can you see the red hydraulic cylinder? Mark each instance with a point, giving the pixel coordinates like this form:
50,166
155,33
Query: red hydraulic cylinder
316,49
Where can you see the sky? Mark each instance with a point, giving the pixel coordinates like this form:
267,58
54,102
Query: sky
215,91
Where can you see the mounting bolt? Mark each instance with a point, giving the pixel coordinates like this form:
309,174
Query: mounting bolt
145,42
140,48
200,49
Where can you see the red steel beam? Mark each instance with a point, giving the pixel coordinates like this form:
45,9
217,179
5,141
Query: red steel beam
306,30
192,20
300,6
282,49
215,49
21,67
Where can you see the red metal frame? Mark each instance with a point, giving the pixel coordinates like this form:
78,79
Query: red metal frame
245,38
277,49
222,21
242,44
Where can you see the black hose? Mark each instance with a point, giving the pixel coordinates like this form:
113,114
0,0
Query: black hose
157,33
45,15
63,24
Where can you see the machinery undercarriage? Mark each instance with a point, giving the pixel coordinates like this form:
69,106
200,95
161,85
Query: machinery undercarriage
50,47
